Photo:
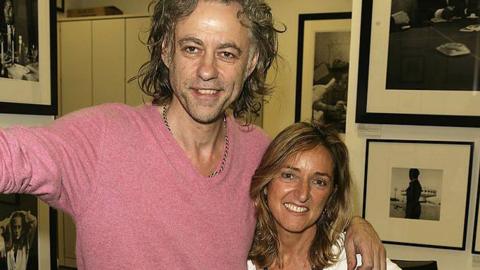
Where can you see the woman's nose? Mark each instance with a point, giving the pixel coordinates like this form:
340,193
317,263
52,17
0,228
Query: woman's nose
303,191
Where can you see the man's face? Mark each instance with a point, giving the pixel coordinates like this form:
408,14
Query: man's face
17,227
213,55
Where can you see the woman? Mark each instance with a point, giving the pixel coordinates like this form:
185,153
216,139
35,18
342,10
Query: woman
301,192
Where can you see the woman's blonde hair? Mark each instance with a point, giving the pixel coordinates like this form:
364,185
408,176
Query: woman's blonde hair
337,213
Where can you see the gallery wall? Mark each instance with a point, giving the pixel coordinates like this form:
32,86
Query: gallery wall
280,111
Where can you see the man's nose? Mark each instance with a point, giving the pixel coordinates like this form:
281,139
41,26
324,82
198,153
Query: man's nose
207,69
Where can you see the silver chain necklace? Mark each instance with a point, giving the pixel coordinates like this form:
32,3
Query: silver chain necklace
227,144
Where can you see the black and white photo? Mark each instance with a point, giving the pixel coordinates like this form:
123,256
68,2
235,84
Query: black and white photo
416,193
18,234
330,78
19,40
433,45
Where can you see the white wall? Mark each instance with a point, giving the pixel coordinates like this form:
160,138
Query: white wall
280,112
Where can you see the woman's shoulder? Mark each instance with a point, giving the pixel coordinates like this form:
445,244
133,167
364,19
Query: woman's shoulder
251,265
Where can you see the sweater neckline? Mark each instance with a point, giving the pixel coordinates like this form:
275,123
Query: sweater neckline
177,156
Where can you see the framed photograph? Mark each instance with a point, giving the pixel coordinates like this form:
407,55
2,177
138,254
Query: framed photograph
322,68
61,5
24,237
28,65
417,190
418,64
476,229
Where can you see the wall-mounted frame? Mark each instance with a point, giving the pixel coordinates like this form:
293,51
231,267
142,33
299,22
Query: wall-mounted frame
34,218
409,212
28,65
476,229
60,5
413,71
323,57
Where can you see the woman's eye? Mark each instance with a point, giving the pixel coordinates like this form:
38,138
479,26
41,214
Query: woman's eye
286,175
320,182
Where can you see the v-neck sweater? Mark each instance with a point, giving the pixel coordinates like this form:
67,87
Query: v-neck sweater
137,200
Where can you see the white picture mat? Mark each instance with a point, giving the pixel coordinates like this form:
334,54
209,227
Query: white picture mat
311,27
453,159
407,101
30,92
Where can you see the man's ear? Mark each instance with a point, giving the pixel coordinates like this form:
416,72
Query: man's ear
166,53
252,63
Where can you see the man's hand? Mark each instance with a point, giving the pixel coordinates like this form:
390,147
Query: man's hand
362,239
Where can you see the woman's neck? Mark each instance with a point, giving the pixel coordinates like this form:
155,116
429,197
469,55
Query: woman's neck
293,250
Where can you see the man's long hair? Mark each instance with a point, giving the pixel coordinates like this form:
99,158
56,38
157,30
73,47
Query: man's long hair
295,139
254,14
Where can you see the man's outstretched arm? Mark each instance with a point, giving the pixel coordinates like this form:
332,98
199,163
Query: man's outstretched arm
362,239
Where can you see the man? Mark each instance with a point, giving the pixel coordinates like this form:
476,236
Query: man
179,169
414,190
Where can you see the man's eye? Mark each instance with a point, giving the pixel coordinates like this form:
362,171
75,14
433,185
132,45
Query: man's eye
190,50
228,55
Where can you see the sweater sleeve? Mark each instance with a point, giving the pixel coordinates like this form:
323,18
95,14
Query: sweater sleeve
57,163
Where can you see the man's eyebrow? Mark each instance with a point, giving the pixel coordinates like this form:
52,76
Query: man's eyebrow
198,41
189,39
232,46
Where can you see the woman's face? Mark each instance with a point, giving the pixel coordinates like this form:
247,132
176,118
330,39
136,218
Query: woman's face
300,190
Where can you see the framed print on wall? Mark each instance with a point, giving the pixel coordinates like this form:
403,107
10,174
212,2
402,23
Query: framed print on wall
417,65
25,234
405,192
28,65
323,58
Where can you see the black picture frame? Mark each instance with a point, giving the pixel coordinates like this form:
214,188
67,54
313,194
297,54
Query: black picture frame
60,5
387,167
25,96
378,105
335,25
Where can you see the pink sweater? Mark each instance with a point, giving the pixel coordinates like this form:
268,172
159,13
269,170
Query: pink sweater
137,200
